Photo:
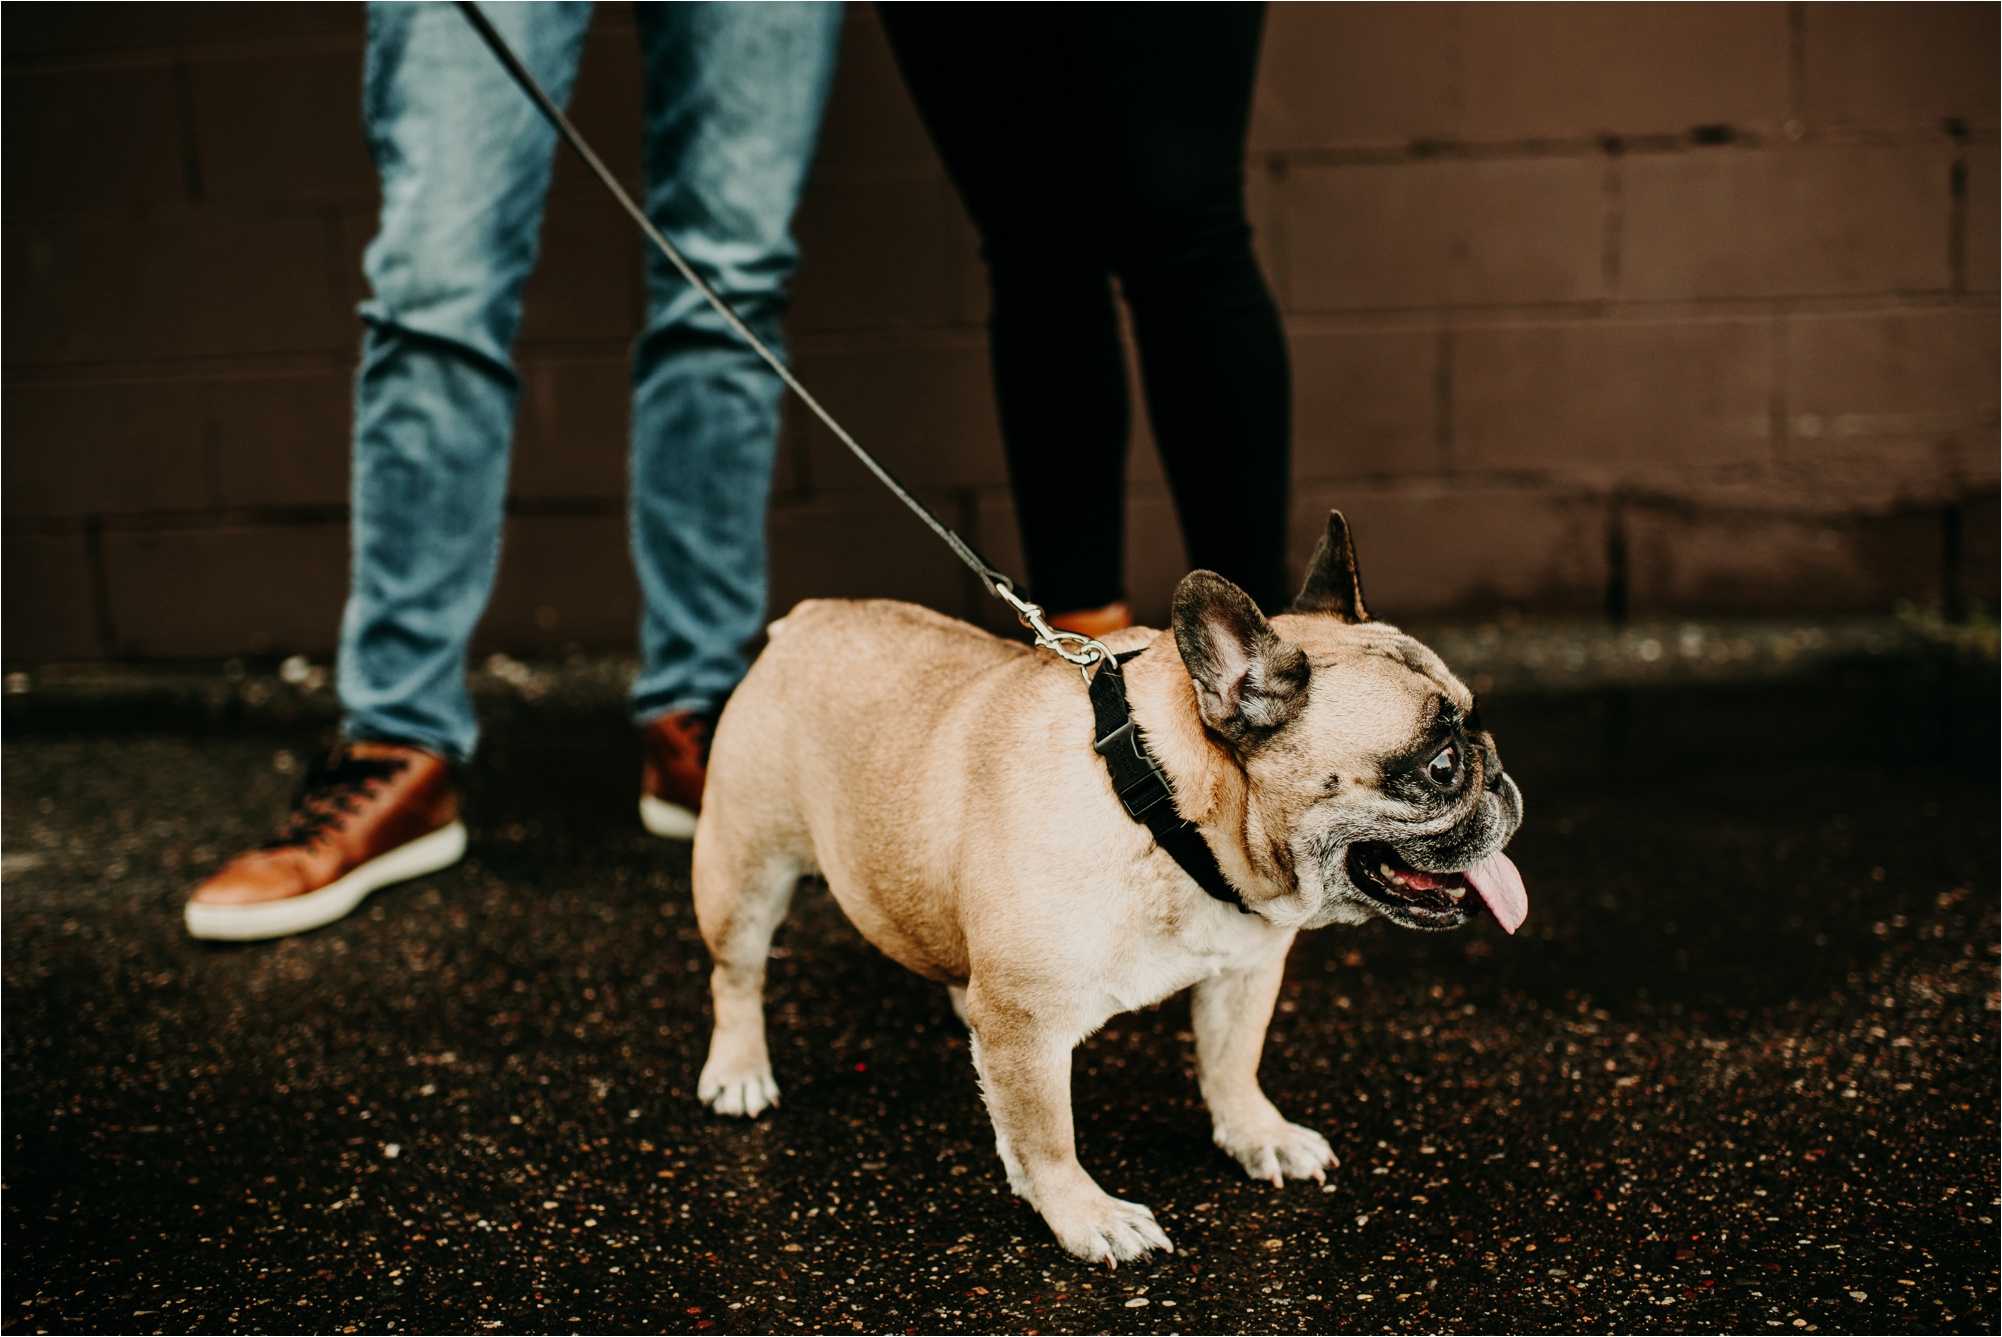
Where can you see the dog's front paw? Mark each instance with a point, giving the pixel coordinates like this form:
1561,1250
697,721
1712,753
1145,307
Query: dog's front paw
1278,1151
1100,1228
743,1093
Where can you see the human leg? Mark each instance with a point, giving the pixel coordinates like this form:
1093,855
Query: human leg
734,95
1171,102
464,164
464,161
993,83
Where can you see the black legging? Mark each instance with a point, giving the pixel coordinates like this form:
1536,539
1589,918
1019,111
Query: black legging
1091,140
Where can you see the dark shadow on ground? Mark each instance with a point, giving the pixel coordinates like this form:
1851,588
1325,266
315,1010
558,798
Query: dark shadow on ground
1737,1073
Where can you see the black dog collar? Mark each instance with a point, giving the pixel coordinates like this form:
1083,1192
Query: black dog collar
1138,780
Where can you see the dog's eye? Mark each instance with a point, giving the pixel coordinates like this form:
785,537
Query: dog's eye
1441,768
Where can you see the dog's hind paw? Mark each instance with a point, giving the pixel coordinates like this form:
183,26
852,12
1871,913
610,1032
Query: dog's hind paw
745,1094
1107,1230
1279,1151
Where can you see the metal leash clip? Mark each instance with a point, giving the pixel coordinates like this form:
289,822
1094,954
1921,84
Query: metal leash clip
1087,653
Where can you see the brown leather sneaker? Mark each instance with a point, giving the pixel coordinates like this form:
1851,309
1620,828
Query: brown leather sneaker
1095,622
368,815
677,764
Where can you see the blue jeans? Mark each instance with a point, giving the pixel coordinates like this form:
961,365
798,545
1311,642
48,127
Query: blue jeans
734,94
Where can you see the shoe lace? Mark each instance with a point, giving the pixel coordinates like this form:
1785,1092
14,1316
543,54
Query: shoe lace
328,795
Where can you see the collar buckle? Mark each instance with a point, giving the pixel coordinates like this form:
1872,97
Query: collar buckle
1136,776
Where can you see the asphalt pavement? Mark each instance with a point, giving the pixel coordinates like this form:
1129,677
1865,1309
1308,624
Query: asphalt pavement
1737,1073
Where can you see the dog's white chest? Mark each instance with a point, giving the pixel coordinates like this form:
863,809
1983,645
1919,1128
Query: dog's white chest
1162,963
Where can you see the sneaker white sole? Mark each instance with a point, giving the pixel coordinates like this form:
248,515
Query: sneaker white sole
296,914
666,819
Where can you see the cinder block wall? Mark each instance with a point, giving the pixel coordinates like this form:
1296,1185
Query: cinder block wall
1677,307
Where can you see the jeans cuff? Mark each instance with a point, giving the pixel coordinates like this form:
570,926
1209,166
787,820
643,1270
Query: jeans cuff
361,733
646,714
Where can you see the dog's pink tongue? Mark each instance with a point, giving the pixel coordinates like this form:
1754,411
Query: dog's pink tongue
1499,883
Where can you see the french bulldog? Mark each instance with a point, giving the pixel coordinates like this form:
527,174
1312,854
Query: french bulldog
943,782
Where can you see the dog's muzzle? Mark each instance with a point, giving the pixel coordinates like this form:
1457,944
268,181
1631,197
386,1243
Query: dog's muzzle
1449,893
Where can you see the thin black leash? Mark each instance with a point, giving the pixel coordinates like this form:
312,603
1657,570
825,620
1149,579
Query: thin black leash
1142,786
1082,651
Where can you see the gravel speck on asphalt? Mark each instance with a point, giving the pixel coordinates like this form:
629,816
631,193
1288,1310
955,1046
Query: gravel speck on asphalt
1737,1073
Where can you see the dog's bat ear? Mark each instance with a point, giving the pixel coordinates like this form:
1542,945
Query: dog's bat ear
1333,584
1249,681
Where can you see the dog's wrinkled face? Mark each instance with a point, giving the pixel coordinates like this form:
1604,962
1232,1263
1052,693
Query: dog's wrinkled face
1413,800
1371,784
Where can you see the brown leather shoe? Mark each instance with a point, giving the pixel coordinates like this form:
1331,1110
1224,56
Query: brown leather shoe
1095,622
368,815
677,764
